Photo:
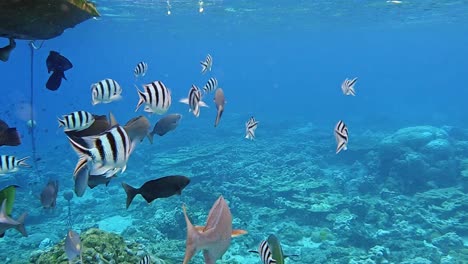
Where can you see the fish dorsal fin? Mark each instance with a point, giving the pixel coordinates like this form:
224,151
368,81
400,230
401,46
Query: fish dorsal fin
113,121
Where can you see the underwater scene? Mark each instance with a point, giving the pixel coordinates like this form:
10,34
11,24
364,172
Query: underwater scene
234,131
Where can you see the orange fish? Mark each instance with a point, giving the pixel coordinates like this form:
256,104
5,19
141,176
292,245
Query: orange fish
214,238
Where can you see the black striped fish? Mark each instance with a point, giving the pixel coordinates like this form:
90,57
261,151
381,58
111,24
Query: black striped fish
105,91
250,127
140,69
210,86
271,252
194,100
207,64
156,97
348,86
106,153
76,121
146,260
341,136
11,164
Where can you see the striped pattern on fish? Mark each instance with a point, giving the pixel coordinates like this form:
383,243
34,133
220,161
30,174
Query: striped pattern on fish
108,152
141,69
250,127
265,253
105,91
146,260
194,100
11,163
211,85
156,97
207,64
341,136
76,121
348,86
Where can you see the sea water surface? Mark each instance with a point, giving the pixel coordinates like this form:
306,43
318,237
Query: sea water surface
397,195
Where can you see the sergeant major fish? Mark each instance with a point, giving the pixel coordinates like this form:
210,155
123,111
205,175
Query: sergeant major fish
76,121
107,152
207,64
105,91
341,136
348,87
12,164
271,252
250,127
194,100
210,86
156,97
140,69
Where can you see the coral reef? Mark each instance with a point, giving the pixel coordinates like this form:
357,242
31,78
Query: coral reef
98,247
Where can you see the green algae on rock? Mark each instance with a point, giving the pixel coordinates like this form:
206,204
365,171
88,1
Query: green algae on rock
98,247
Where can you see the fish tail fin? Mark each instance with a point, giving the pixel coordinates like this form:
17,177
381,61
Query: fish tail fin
150,137
184,100
218,115
131,193
192,238
201,103
21,227
204,66
61,122
10,138
83,153
141,99
22,162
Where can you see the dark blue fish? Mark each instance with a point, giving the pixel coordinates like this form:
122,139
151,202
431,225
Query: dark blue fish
8,135
159,188
57,64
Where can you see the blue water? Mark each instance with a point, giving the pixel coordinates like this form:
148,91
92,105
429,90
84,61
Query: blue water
281,61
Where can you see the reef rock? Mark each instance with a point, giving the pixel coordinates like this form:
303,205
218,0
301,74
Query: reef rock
98,247
418,158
